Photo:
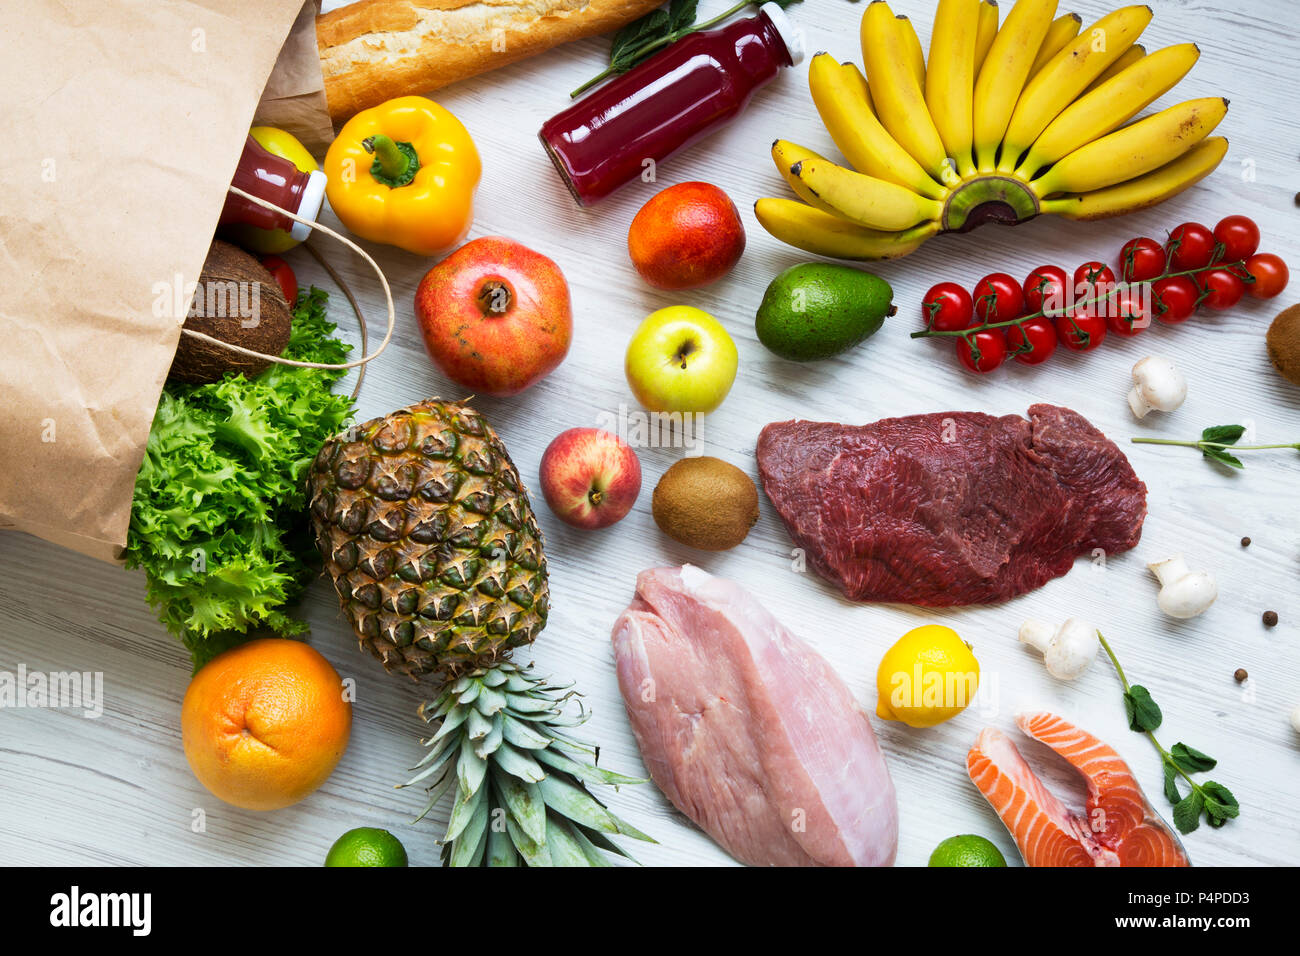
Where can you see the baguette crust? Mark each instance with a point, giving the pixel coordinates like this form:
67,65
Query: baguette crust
374,50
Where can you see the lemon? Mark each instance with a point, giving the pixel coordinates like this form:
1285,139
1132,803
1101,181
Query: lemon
928,677
967,850
366,846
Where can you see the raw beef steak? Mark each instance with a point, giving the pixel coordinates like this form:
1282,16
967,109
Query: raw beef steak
953,507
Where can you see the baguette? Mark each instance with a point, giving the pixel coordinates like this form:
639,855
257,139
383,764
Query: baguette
374,50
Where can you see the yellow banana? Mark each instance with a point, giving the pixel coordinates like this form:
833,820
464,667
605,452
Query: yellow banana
1130,56
785,154
912,47
1063,29
1064,77
844,103
824,234
1135,149
1144,191
988,29
1110,105
950,77
1003,75
874,203
896,94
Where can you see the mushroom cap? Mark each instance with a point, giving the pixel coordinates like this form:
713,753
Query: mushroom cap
1188,595
1159,383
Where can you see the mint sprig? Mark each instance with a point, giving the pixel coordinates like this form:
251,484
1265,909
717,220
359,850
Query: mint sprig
1215,441
636,41
1211,799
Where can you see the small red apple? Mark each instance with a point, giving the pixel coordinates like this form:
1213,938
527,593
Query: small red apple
495,315
589,477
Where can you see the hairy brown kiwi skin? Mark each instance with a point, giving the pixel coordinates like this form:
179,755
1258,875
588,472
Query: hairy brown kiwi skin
199,362
1284,344
705,503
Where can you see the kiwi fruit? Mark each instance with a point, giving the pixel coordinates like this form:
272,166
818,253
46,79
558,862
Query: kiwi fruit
705,503
1284,344
227,286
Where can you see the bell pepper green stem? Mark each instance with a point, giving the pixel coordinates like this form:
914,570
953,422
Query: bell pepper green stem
395,163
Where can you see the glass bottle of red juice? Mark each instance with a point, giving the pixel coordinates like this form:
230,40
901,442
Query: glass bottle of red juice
697,85
267,176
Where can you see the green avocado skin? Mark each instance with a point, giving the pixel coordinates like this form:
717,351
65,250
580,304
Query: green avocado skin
815,310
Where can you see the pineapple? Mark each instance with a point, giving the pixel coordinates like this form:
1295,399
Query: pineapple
428,536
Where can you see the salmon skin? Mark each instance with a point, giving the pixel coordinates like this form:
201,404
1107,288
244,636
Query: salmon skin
1120,827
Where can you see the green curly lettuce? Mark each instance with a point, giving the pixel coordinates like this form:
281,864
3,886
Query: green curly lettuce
218,519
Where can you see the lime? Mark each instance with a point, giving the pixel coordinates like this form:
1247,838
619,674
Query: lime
366,846
967,850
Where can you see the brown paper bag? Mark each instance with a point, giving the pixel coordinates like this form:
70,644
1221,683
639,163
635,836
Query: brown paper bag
294,98
123,123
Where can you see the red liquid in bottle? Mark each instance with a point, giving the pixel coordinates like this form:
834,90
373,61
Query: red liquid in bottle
690,89
263,174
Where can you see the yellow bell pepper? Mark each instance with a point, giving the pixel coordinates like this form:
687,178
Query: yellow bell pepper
287,146
404,173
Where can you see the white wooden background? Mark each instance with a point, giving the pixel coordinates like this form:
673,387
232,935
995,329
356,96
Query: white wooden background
118,790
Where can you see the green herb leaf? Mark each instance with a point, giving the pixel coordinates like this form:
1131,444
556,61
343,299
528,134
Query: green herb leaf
1143,713
681,14
1190,759
1219,801
625,49
1171,783
1223,434
1187,812
1221,456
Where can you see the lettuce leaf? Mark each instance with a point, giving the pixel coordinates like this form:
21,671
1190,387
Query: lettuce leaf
218,520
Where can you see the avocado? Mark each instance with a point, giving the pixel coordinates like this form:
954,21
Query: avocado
815,310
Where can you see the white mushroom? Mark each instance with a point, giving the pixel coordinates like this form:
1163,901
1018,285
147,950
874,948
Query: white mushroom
1295,720
1157,385
1183,593
1067,651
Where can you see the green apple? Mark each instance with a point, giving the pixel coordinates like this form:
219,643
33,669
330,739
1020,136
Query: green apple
680,359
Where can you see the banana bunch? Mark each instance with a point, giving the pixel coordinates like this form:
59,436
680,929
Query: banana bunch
999,124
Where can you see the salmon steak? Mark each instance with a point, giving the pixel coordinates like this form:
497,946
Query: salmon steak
1119,826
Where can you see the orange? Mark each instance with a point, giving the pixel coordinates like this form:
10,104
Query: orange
685,236
264,724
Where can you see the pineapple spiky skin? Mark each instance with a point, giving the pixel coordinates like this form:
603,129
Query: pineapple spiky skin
428,535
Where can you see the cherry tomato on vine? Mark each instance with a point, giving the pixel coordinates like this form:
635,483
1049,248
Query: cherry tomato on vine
1093,280
1190,246
947,307
1140,259
1223,288
1033,341
1270,274
1083,331
1129,312
982,351
1174,299
1239,237
998,298
1044,289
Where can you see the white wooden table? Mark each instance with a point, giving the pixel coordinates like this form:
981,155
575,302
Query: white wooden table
117,790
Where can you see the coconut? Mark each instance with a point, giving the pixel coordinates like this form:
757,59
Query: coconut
237,301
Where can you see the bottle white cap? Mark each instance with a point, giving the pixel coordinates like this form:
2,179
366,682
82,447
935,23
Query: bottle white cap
312,196
791,35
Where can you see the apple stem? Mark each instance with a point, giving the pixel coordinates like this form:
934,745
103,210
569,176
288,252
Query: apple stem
595,496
